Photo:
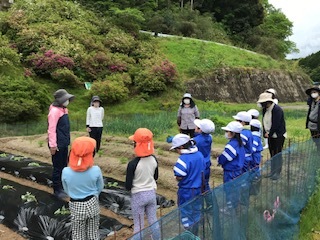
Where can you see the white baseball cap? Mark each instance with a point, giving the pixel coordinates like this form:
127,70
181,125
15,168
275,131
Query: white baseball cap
233,126
206,125
255,123
254,112
243,116
179,140
187,95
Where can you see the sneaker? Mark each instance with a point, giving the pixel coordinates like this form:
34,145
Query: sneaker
61,194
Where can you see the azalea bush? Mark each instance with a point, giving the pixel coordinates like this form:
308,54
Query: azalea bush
47,61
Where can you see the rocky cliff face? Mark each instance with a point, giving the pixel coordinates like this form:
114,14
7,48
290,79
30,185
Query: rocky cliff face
245,85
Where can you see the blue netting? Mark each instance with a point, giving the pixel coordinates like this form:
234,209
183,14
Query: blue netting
251,206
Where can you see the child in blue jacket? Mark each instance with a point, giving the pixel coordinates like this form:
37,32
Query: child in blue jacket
231,160
246,135
203,141
188,171
255,125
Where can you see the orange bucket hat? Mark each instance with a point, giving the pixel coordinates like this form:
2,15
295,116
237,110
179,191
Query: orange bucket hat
81,154
144,143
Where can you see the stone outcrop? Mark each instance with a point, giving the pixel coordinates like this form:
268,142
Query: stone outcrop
243,85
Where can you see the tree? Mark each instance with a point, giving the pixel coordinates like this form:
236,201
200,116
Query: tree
271,37
238,16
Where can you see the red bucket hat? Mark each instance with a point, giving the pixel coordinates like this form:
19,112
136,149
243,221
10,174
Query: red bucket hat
81,154
144,143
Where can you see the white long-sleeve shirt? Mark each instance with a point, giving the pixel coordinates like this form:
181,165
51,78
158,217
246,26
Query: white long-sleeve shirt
95,116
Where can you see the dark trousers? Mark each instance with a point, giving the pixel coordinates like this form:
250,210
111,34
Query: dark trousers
275,147
316,138
59,161
96,133
189,132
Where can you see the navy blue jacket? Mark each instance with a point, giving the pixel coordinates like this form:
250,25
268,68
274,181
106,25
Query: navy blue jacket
278,124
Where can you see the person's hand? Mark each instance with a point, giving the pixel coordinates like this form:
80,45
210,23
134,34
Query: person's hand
88,129
266,135
53,150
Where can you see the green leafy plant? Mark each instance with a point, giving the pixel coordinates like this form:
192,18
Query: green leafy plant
3,155
17,158
123,160
62,211
33,164
28,197
40,143
6,187
112,184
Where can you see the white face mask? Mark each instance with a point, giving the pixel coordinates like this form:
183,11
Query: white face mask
96,104
226,135
66,103
314,95
186,101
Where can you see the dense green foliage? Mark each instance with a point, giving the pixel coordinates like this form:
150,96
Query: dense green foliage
62,45
311,64
252,24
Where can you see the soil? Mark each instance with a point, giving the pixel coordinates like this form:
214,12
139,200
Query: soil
112,158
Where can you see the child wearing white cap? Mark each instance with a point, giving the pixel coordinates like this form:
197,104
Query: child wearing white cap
232,160
255,125
188,171
203,140
246,135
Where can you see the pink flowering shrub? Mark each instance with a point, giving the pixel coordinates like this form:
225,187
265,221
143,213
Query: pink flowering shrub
47,62
117,68
165,70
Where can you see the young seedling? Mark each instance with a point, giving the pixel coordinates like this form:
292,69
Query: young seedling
28,197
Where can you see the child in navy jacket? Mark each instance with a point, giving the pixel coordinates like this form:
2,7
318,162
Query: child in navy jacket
231,160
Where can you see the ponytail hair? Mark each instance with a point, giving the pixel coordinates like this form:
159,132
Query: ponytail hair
189,144
238,138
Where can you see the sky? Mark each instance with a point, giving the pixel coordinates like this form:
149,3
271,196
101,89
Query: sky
305,15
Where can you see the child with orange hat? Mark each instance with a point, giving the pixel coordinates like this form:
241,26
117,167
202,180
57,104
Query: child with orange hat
141,176
83,182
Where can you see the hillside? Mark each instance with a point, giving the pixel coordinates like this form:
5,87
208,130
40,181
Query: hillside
60,44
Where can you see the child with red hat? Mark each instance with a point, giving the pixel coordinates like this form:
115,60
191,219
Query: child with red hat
141,176
83,182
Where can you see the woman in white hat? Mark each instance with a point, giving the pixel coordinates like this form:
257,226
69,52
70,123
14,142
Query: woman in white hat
274,128
187,113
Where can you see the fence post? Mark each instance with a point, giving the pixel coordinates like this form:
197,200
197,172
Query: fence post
288,166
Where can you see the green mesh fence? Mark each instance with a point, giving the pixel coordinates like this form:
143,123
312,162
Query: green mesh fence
261,208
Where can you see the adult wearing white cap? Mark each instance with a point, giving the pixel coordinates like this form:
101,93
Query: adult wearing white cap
188,171
203,140
274,128
232,160
187,113
313,116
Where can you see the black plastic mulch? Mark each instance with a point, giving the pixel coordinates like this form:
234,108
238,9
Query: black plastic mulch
113,197
38,219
